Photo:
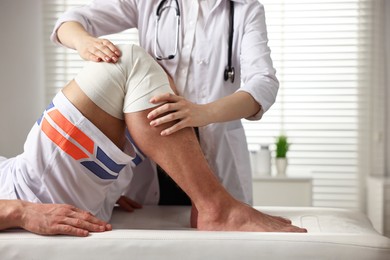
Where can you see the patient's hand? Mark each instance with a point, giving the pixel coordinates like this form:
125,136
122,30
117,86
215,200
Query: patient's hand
128,204
53,219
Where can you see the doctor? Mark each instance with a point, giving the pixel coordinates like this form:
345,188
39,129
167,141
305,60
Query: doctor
217,54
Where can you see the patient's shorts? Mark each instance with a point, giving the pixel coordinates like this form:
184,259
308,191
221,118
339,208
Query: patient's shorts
136,74
66,158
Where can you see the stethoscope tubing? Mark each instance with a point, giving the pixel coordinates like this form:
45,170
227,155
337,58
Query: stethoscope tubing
229,72
160,9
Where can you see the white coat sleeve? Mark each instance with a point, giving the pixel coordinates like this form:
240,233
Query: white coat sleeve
257,71
101,17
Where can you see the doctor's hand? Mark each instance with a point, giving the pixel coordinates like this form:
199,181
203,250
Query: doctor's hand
179,110
73,35
56,219
96,49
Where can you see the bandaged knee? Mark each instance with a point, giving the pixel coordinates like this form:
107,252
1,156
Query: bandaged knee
125,86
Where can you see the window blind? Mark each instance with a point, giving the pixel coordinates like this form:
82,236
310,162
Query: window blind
321,50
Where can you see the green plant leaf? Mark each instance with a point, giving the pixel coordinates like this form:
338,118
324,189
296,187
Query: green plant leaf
282,146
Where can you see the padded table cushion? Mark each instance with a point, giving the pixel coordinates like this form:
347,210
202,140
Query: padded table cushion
157,232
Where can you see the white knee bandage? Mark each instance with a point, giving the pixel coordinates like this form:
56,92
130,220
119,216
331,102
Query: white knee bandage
125,86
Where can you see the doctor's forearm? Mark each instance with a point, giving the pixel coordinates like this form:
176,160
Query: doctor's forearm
233,107
70,33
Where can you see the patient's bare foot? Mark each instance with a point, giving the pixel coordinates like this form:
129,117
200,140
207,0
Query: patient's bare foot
280,218
241,217
194,218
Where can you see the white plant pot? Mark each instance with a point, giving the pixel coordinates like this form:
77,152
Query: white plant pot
281,166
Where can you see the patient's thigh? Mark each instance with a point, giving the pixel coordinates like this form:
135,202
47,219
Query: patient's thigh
112,127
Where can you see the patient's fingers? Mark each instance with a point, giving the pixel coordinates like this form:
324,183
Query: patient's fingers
52,219
85,215
83,219
128,204
83,224
69,230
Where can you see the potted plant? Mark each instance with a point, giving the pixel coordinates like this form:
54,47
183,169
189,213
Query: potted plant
281,161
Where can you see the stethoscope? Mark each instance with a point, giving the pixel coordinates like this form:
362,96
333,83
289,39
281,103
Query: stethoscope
229,72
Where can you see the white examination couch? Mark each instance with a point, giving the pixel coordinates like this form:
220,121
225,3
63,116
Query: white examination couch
163,233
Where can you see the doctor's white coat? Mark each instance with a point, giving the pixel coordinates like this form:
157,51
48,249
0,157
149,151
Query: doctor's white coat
198,71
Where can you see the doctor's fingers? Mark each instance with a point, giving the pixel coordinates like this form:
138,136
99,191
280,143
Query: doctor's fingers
99,50
110,51
166,97
172,115
176,127
171,104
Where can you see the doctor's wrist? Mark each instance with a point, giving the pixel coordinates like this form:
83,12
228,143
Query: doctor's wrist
210,113
72,34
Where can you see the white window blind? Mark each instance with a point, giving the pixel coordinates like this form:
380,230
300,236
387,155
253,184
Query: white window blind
321,50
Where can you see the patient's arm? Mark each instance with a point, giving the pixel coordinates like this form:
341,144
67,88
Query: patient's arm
49,219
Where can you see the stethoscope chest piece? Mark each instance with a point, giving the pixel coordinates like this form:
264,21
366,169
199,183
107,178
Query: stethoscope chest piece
229,74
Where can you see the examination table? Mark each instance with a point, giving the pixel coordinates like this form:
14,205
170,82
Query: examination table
157,232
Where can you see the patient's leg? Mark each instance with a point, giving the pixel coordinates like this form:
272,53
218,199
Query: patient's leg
111,126
181,157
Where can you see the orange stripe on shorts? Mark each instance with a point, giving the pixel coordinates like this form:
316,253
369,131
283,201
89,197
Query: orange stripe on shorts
72,130
67,146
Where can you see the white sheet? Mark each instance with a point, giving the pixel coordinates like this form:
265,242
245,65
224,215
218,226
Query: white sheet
164,233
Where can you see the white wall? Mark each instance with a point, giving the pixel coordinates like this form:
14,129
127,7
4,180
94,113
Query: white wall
21,72
387,186
387,44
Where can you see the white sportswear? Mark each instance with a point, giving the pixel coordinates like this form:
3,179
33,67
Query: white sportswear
66,158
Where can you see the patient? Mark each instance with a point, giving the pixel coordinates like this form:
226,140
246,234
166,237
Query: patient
78,153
